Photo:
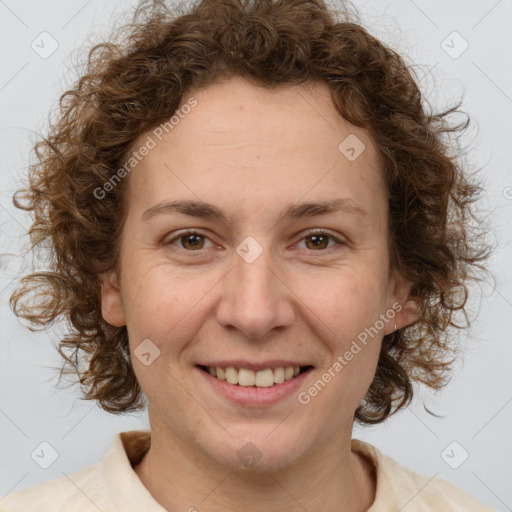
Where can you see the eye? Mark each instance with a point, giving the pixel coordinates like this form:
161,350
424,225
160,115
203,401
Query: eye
189,240
318,241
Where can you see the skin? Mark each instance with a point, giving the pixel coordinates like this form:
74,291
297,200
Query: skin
253,152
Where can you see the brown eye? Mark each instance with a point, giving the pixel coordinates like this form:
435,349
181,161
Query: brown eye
192,241
319,241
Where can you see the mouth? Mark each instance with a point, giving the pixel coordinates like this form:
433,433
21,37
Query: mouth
264,378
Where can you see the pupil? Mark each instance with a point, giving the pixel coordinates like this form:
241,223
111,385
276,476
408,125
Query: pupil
193,240
317,240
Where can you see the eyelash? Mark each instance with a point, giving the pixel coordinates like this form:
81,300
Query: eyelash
320,232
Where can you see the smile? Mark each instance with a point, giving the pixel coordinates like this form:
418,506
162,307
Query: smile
261,379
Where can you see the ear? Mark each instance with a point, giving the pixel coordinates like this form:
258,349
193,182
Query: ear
406,311
112,308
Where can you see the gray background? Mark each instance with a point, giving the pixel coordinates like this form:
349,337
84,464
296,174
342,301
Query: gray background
476,406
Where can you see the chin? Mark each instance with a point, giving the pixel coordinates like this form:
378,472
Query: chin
260,450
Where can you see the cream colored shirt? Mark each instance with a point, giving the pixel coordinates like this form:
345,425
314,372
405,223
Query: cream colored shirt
112,485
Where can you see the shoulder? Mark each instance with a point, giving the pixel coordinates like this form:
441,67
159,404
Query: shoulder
109,485
81,491
407,490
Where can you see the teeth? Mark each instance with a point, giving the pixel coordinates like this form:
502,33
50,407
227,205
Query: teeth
261,379
246,377
232,375
279,375
264,378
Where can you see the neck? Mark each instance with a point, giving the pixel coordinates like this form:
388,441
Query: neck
181,478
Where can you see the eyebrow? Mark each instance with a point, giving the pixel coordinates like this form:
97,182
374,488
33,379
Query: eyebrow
201,209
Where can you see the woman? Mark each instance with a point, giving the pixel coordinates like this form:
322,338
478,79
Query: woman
259,232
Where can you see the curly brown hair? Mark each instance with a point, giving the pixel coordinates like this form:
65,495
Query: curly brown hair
138,79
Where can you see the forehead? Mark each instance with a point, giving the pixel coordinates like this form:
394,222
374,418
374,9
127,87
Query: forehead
248,146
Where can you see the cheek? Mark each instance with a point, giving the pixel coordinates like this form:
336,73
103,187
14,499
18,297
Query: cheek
344,301
353,340
164,305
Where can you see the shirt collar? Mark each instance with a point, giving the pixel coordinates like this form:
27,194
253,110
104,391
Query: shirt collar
130,495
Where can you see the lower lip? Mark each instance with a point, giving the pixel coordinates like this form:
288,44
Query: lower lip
251,396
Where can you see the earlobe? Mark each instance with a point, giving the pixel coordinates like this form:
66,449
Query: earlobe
112,308
407,315
406,310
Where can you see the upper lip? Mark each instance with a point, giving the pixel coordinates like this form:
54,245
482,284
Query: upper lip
242,363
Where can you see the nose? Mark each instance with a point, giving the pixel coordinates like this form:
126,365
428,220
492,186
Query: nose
256,298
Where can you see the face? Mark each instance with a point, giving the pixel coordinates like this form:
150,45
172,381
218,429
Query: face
259,282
